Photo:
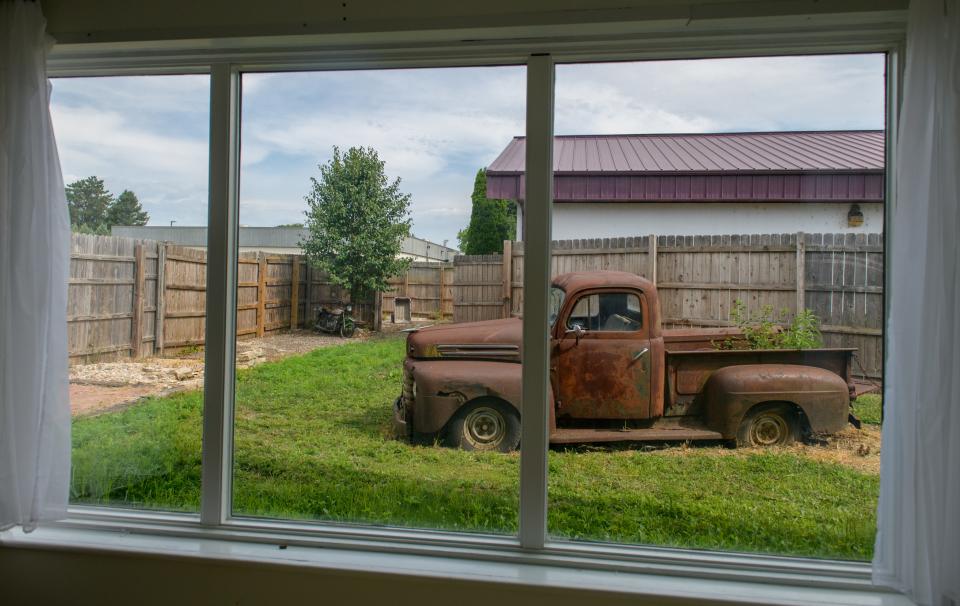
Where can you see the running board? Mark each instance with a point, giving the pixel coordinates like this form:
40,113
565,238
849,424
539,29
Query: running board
679,434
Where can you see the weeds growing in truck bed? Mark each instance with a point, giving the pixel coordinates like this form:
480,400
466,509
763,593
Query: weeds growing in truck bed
312,441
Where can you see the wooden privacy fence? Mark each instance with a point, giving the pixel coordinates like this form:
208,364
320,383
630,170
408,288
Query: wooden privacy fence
112,297
134,298
114,309
428,286
838,276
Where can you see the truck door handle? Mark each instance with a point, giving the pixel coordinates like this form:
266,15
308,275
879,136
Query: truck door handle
639,354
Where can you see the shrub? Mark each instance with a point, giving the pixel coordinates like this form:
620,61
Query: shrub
762,331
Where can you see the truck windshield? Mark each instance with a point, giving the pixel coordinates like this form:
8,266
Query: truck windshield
556,300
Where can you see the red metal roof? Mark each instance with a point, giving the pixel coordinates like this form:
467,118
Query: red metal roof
776,166
707,153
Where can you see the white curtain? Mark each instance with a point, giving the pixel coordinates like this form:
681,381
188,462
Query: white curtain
34,268
918,537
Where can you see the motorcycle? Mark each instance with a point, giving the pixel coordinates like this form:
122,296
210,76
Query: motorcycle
337,320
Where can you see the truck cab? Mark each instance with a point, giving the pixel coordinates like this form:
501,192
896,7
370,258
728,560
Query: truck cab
607,347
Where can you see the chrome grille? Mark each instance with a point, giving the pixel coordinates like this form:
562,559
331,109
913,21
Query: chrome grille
407,391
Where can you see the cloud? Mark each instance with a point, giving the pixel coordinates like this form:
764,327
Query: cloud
271,211
103,140
762,93
433,127
593,106
419,125
168,173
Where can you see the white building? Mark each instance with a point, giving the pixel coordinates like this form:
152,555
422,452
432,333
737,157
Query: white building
278,240
709,184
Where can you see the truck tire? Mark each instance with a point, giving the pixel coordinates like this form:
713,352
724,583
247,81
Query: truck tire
485,424
769,425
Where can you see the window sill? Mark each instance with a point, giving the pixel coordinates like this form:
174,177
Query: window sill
574,569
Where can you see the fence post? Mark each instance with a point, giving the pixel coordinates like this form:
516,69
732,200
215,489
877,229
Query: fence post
449,280
308,294
440,291
507,278
136,325
377,311
161,296
261,293
801,272
294,291
652,258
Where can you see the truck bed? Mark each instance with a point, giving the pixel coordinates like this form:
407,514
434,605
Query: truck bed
689,369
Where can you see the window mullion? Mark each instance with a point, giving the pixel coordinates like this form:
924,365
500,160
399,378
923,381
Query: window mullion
536,291
221,304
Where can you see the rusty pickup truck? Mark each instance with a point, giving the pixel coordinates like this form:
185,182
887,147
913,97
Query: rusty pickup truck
616,375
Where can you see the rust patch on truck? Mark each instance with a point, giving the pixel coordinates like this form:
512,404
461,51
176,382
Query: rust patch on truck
818,394
604,387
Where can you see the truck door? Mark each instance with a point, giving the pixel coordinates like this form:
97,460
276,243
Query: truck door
603,357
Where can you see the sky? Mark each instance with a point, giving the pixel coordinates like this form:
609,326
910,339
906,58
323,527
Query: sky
434,128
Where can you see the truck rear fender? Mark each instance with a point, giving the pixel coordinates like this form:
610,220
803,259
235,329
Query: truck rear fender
730,392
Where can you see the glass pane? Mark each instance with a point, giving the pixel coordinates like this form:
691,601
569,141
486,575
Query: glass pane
134,156
360,191
742,225
607,312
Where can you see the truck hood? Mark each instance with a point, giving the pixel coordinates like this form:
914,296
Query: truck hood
487,340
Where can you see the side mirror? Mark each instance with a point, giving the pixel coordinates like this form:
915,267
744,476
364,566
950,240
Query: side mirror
576,330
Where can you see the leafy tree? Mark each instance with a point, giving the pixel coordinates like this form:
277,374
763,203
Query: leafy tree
94,210
89,201
491,221
126,210
356,222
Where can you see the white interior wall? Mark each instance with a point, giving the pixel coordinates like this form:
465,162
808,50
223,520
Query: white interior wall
65,576
86,22
38,577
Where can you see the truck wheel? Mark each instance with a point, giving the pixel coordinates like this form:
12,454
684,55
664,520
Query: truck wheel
485,425
771,425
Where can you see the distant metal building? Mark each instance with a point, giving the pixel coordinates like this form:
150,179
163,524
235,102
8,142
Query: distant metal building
706,184
280,240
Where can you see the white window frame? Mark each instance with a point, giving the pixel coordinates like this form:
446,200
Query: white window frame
532,545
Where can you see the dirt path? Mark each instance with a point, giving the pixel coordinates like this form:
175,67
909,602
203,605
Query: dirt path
86,399
107,386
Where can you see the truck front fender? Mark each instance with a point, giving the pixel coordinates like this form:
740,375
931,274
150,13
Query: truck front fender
822,396
443,386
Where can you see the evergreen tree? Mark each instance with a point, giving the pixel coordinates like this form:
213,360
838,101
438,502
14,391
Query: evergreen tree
89,201
491,221
126,210
356,222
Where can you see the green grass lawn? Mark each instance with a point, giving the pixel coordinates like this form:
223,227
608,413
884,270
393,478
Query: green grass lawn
312,442
867,408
